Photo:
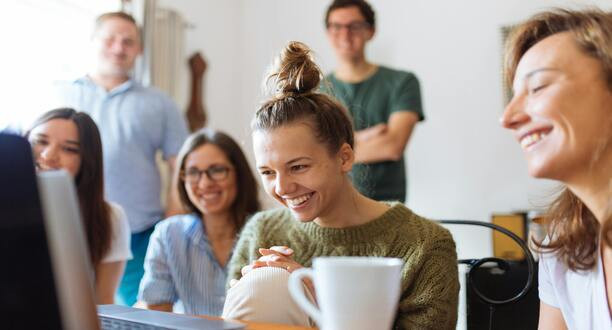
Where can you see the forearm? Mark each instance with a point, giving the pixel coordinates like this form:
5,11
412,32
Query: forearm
378,149
390,141
163,307
173,203
108,276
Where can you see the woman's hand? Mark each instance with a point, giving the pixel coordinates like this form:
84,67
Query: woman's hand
276,256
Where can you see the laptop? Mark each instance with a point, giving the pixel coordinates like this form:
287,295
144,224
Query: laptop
48,283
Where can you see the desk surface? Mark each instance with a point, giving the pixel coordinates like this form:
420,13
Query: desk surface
270,326
263,326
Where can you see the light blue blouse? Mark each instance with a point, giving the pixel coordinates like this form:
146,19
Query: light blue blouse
180,266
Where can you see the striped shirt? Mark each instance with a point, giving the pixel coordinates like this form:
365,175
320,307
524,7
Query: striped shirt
180,266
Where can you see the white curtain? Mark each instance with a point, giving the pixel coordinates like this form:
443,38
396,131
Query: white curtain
163,33
168,52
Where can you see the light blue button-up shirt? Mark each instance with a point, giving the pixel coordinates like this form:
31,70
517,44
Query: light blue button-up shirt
134,122
181,266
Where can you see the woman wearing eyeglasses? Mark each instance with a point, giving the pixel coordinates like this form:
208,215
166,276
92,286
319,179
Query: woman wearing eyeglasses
384,103
187,255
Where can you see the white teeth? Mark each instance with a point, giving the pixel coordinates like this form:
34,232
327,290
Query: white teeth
531,139
209,196
298,200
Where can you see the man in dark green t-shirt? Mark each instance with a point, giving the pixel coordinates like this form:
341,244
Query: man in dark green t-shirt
385,104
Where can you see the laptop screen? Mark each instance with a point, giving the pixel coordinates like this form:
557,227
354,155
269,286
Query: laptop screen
28,297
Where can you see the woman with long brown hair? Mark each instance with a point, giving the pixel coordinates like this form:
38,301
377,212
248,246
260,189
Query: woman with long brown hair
559,64
69,140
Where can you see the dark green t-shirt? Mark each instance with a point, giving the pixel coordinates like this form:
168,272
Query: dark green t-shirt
372,102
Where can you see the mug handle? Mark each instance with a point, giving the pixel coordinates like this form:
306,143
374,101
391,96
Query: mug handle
296,289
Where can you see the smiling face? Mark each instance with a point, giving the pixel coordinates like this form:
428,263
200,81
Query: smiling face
348,32
210,196
561,109
55,145
298,171
117,44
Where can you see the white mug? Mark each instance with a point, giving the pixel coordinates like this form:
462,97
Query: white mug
357,293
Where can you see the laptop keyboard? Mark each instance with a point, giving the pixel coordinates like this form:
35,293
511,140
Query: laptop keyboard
115,324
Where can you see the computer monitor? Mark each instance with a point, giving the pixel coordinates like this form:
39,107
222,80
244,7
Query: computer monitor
68,250
28,295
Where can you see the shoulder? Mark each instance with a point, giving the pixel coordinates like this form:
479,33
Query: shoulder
418,228
118,219
176,225
119,248
150,90
72,87
396,73
269,221
329,84
152,95
397,76
270,218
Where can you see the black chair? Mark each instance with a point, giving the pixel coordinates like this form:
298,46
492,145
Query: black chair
474,271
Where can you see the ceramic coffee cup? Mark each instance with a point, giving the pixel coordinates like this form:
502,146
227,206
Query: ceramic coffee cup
357,293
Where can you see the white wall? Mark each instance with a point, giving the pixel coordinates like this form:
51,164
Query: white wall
462,164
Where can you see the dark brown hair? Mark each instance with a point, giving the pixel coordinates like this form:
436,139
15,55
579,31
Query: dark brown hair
364,8
89,180
573,229
246,202
295,81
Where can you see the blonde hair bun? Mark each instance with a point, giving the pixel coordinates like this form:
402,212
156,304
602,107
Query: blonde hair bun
294,72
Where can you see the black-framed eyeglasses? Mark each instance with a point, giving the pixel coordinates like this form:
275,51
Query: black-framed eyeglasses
214,173
352,27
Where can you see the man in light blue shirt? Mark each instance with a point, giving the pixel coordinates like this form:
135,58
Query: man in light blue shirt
135,122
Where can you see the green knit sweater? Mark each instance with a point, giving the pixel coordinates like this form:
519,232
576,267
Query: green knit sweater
430,286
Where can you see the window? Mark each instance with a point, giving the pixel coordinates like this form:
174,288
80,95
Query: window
44,41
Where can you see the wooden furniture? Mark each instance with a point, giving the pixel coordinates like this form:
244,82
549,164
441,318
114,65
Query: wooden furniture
270,326
196,114
261,325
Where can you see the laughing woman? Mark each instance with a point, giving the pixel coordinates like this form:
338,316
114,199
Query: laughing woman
303,143
70,140
188,254
560,67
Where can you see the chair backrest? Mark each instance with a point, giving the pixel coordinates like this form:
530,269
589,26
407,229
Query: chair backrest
474,264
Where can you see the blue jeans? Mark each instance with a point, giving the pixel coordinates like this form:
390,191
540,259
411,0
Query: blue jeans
134,270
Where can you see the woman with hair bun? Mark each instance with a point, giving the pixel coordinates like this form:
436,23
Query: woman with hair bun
303,143
559,64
